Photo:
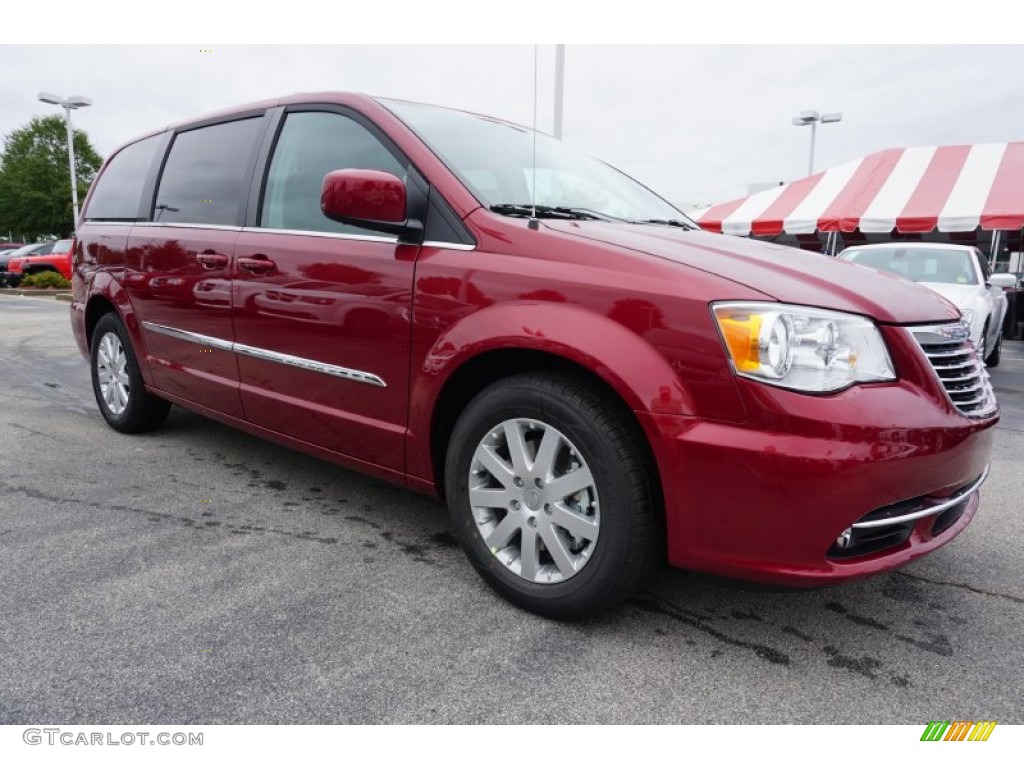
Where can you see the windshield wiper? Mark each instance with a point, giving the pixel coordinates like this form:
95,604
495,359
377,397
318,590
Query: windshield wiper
547,211
669,222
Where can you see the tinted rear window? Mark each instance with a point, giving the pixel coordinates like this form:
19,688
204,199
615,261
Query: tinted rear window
206,177
119,188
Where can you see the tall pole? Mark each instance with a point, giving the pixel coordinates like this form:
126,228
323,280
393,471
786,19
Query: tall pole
812,117
71,162
810,162
559,87
69,103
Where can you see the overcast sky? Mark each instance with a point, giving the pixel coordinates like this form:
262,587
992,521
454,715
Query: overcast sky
696,123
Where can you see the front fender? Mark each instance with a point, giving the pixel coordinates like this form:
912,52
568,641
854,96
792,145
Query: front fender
631,366
617,355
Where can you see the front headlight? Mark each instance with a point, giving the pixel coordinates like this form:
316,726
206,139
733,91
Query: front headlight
967,317
802,348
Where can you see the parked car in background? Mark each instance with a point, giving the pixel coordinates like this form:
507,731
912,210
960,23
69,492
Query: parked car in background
959,273
481,313
32,249
56,259
4,247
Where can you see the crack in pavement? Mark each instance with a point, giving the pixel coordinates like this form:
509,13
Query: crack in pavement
655,604
976,590
32,431
189,522
867,666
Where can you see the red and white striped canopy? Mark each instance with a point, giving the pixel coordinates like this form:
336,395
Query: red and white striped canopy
919,189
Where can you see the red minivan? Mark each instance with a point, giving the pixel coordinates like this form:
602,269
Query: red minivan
481,313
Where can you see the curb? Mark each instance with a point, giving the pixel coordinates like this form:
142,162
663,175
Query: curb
58,295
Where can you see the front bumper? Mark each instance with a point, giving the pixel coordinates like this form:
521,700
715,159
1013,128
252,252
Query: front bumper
767,500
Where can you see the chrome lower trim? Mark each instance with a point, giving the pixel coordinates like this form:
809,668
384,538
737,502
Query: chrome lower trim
195,338
311,365
935,510
316,366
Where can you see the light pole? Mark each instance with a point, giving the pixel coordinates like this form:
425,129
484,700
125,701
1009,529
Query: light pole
559,88
812,118
71,102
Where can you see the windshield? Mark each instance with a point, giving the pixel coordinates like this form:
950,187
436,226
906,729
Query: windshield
494,160
922,265
23,250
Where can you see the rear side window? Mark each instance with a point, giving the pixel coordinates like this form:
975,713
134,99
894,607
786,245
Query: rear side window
310,145
207,173
118,191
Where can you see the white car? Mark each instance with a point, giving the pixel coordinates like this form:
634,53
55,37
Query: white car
959,273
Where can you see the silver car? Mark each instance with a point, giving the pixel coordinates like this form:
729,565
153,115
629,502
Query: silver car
959,273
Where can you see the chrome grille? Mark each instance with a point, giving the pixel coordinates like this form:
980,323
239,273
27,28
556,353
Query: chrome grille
958,367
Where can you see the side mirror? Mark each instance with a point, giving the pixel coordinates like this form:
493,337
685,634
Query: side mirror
371,199
1004,280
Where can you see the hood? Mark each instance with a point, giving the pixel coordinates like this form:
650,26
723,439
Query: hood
962,296
786,274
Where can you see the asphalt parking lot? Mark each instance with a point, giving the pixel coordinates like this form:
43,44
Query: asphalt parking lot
199,575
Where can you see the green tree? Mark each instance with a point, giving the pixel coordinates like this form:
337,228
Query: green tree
35,182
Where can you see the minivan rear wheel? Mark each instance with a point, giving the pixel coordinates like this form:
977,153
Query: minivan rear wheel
551,493
116,382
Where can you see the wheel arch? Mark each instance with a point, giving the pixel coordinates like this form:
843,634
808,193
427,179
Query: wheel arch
32,269
591,348
97,306
106,294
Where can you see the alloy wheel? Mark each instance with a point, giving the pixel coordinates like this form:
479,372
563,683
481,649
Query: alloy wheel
534,501
112,373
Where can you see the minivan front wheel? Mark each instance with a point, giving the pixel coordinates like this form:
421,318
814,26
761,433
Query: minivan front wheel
117,384
551,493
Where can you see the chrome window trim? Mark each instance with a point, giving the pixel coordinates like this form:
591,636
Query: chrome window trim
341,372
354,236
315,233
927,512
269,231
450,246
187,225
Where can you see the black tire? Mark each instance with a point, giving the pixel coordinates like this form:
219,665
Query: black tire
142,412
629,543
992,361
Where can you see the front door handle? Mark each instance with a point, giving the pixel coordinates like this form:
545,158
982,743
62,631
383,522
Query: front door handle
212,259
256,266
